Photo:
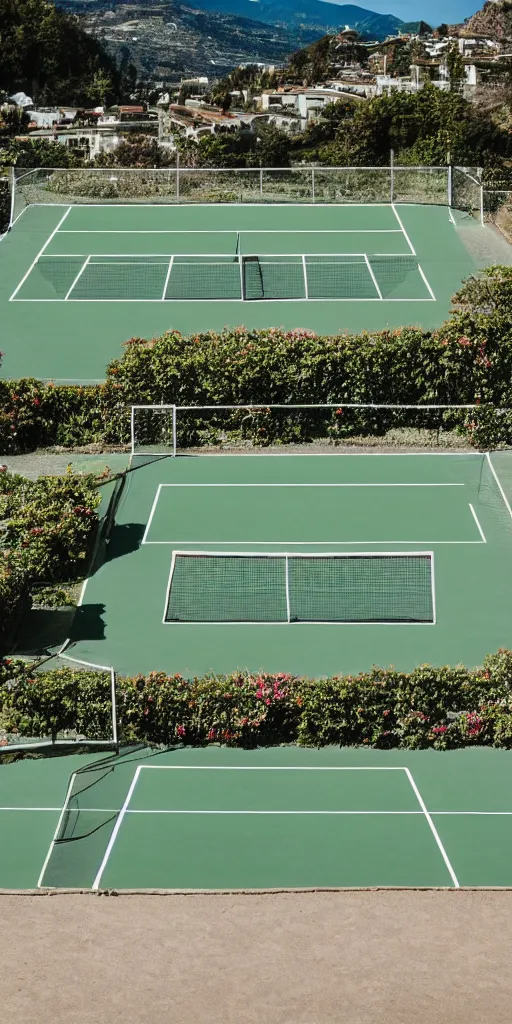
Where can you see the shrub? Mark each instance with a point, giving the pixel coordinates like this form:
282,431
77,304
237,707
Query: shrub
439,708
48,528
467,361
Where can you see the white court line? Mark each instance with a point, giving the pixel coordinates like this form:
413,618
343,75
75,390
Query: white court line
116,810
117,826
167,276
407,239
312,543
152,512
231,231
502,492
55,834
424,277
475,517
433,829
312,485
270,768
195,301
372,275
77,278
452,218
40,253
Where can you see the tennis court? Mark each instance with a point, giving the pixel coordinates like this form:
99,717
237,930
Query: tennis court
282,818
310,564
89,277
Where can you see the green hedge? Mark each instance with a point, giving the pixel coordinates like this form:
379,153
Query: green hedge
47,528
429,707
468,360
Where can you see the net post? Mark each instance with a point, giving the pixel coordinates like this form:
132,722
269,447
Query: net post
132,429
305,272
433,587
313,197
392,174
241,265
174,445
115,735
287,585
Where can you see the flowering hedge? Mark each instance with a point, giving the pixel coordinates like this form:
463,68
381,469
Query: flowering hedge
441,708
47,529
468,360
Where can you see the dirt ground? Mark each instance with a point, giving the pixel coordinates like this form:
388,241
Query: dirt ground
359,957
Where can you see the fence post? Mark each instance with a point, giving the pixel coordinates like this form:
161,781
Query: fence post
312,184
450,186
177,175
261,180
12,183
392,174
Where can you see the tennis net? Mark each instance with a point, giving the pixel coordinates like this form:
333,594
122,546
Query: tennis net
224,277
254,587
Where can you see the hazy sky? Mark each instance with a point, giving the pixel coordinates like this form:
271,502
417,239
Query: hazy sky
432,11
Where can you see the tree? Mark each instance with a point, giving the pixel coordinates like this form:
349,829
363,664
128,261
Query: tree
13,122
427,125
48,54
455,67
37,153
224,102
137,151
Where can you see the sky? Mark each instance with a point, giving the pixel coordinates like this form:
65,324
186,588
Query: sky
432,11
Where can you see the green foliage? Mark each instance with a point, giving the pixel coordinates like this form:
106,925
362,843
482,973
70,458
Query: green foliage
49,55
455,65
424,126
13,122
468,360
47,529
36,152
137,151
266,146
440,708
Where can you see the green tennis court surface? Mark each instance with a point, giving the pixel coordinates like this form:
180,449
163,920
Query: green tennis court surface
77,281
283,818
310,564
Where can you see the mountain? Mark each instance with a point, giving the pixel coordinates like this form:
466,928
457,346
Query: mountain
494,19
317,14
166,39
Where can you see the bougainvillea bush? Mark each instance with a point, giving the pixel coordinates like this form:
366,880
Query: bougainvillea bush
467,360
443,708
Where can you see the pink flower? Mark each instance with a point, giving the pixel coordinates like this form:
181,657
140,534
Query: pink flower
180,730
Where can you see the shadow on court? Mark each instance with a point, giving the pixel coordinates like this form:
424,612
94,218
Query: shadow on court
44,629
88,623
124,539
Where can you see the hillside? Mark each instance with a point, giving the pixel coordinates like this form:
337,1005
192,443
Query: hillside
494,19
316,14
166,38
